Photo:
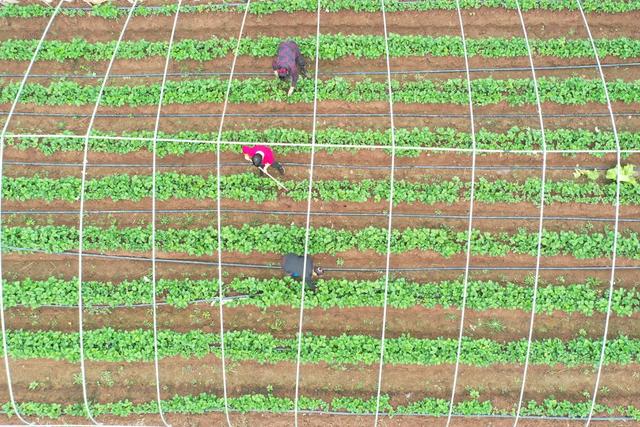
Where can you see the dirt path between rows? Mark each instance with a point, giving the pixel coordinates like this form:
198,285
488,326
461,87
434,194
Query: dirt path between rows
357,171
328,107
282,321
460,163
78,125
503,23
430,67
41,266
499,217
329,420
404,383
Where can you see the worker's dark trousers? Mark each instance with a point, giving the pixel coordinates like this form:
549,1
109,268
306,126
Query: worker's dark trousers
302,66
279,167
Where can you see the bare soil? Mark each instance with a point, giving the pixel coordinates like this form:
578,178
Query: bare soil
403,383
78,125
297,167
504,23
39,266
282,321
327,420
500,217
360,160
429,67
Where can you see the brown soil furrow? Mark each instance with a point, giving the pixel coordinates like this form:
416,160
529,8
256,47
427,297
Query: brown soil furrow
282,321
261,419
404,383
504,23
330,107
55,125
371,260
299,172
373,158
460,210
155,65
42,266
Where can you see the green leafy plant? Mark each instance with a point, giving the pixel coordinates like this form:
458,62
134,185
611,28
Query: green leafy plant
111,345
624,174
513,139
586,298
109,11
250,187
487,91
285,239
205,403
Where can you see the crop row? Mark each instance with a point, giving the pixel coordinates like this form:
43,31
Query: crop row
332,47
585,298
204,403
274,238
110,11
111,345
487,91
249,187
513,139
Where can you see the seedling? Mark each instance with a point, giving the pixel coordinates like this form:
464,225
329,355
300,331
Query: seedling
625,173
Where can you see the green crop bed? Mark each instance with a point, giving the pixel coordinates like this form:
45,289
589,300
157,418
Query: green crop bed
584,298
332,47
110,11
205,403
285,239
514,139
488,91
249,187
112,345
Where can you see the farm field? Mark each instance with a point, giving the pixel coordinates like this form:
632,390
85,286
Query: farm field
480,246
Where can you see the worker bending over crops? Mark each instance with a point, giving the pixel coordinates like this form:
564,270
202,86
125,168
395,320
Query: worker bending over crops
289,63
294,266
262,157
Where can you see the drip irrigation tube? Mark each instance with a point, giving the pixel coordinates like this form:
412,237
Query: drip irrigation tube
497,416
296,164
326,115
337,73
321,213
277,266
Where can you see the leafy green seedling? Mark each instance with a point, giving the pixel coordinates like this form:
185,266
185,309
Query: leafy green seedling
626,174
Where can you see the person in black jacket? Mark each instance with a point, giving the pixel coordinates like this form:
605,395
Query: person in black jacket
293,265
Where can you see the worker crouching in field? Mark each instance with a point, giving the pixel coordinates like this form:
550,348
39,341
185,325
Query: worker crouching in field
289,63
262,157
293,265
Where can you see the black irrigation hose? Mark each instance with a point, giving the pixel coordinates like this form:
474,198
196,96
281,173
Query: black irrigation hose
339,73
498,416
322,213
296,164
278,266
325,115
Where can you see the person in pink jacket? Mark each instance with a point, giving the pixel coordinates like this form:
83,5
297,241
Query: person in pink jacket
262,157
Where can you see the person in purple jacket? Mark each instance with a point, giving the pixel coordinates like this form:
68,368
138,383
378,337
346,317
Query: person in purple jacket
289,63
